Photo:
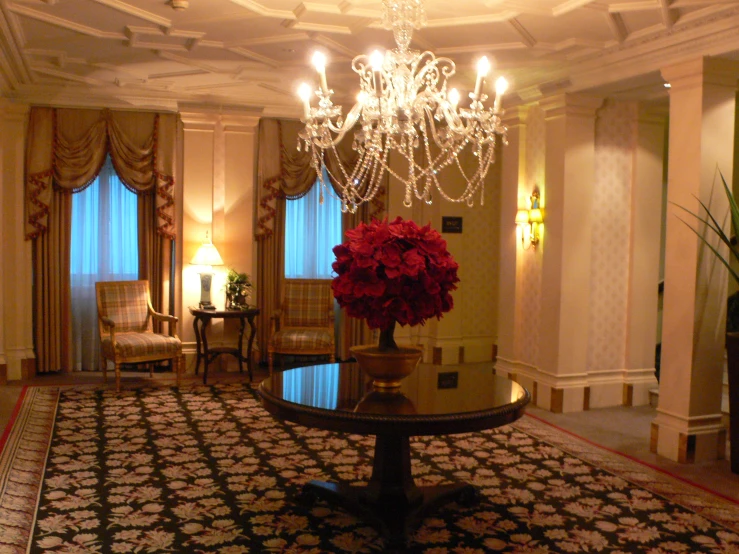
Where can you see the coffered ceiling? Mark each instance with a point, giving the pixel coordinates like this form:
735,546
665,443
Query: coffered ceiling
253,53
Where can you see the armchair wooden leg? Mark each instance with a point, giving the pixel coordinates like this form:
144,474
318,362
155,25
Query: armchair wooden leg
179,368
104,363
151,370
117,376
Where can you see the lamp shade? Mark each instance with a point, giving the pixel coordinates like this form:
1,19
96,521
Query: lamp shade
535,215
522,217
207,254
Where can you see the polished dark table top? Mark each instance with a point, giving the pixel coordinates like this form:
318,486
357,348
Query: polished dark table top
433,400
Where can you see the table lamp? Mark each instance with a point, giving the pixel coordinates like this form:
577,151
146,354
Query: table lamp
207,256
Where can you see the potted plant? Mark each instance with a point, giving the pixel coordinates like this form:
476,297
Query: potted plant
389,273
732,315
238,290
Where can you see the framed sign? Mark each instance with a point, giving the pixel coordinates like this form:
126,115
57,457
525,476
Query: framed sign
447,380
451,224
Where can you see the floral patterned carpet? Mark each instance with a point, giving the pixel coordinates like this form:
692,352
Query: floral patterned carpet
206,469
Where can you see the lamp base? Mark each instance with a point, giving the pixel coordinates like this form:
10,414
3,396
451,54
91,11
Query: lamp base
206,279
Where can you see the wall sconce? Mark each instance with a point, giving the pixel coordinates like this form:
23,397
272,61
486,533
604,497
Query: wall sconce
529,222
207,256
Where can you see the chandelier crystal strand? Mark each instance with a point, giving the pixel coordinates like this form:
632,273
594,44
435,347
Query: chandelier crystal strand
404,106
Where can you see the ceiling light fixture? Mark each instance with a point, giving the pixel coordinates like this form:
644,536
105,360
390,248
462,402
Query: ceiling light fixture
180,4
404,106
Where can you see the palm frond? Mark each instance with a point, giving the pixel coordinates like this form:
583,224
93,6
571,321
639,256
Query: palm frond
712,223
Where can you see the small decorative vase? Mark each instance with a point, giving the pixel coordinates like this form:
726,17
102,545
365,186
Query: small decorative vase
236,298
387,367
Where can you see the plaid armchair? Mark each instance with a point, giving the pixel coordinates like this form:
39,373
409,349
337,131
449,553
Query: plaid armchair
125,319
305,322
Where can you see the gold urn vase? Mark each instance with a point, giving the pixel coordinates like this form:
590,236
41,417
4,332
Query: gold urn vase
387,367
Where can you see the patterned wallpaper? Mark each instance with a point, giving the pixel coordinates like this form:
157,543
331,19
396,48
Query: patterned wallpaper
615,142
528,289
482,229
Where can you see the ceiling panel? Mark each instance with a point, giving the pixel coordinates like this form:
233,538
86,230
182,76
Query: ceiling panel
257,51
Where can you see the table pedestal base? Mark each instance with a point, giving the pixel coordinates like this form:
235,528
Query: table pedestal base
391,502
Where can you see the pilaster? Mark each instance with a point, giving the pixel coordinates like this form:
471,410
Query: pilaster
566,252
647,193
17,358
513,177
688,425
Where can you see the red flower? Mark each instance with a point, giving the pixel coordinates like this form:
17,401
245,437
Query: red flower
395,271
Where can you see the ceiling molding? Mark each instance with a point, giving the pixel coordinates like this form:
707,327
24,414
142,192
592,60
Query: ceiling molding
259,9
569,6
274,39
249,55
331,44
617,25
63,23
638,6
527,38
669,17
14,65
128,9
52,72
318,27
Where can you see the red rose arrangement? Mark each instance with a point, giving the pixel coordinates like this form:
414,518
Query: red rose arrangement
394,272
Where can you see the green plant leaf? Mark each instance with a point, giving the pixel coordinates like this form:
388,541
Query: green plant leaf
712,223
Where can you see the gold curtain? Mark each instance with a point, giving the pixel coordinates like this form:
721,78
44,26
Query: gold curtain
285,173
52,322
65,151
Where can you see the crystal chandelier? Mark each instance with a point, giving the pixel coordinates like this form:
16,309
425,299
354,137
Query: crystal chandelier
404,106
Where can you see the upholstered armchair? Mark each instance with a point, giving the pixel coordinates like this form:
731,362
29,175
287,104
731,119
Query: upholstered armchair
304,324
125,317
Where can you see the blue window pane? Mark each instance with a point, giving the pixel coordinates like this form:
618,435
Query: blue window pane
104,247
311,232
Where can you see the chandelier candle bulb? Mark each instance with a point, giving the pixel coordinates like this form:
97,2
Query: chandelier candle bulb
376,61
319,62
501,85
454,98
304,94
483,66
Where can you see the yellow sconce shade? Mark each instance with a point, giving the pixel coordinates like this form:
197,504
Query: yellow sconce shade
529,222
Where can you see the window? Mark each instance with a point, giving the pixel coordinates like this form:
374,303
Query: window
311,232
104,248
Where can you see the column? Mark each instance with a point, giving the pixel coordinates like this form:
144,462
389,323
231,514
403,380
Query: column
16,296
566,252
644,253
688,425
514,176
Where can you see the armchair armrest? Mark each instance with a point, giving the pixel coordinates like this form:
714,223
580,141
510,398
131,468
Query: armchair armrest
108,323
172,320
275,321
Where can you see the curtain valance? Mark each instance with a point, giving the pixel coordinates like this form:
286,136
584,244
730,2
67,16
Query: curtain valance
66,149
284,172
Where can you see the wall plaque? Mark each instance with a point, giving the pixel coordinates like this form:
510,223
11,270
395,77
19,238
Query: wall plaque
447,380
451,224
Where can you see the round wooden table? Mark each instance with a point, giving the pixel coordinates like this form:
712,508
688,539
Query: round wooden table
439,400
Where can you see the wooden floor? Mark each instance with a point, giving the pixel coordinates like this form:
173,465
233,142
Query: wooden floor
625,430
